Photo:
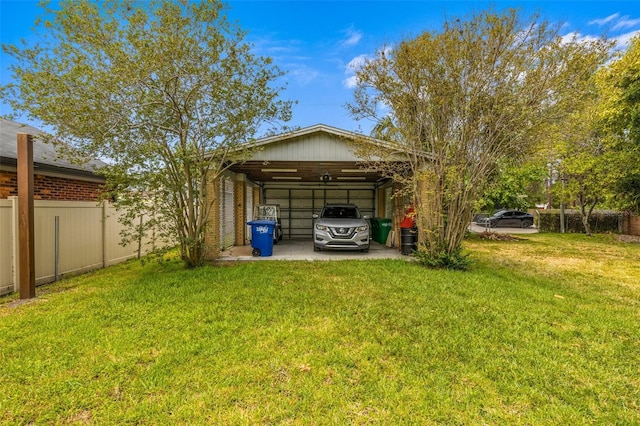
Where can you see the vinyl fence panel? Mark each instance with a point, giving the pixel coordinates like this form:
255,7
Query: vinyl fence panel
86,237
79,240
6,246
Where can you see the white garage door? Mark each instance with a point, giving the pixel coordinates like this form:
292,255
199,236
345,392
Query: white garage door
297,205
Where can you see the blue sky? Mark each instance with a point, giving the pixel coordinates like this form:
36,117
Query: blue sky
316,41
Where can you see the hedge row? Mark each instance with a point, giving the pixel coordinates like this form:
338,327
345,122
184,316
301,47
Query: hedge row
600,221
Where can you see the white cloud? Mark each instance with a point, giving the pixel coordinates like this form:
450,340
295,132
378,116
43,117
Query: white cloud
352,37
617,22
301,73
604,21
351,80
625,22
268,45
578,38
289,55
357,62
622,41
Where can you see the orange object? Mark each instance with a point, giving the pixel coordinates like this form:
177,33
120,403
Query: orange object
409,220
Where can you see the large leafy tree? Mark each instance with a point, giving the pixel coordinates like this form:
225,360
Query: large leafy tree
515,186
462,99
587,165
599,144
620,122
164,91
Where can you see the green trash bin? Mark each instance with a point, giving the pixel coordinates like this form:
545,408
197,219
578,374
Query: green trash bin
384,227
375,228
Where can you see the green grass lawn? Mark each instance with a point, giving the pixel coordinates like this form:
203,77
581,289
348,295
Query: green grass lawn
544,330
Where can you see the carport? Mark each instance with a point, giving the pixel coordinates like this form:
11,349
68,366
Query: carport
306,169
301,171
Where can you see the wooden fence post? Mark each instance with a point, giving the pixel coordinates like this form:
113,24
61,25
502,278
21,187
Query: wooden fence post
25,217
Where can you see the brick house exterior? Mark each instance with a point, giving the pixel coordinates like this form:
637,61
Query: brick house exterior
51,187
54,178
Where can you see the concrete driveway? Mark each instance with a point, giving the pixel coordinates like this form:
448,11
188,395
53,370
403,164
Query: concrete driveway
500,230
303,250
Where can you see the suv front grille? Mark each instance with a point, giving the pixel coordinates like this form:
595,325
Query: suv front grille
342,232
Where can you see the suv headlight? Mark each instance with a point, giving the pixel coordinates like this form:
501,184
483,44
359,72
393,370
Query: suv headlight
362,228
321,228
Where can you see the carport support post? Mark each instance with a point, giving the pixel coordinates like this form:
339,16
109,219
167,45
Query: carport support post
26,263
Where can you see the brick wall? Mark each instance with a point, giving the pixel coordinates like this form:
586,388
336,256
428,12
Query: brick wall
240,189
631,225
51,188
212,231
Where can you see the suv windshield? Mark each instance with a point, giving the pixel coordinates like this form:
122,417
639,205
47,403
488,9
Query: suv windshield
340,213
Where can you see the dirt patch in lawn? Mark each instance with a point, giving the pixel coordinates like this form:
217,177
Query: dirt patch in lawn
494,236
629,238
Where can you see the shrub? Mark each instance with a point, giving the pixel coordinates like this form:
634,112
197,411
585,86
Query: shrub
442,260
600,221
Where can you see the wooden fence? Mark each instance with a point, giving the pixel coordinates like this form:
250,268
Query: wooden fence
70,237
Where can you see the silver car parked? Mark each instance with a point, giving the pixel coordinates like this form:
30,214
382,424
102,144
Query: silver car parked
340,227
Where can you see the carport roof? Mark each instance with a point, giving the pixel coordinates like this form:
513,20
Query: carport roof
308,154
340,133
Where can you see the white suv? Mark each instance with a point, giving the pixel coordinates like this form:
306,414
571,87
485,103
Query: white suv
340,227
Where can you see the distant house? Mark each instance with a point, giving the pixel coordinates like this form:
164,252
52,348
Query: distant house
54,178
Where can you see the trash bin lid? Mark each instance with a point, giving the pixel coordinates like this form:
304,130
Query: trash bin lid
262,222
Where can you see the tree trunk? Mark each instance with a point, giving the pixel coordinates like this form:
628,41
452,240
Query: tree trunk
586,208
587,227
442,221
428,200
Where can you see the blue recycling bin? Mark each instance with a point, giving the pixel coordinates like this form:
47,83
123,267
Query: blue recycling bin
262,236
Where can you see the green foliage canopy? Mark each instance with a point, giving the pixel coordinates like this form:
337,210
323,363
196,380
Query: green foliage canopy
598,145
166,92
620,122
464,98
516,187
